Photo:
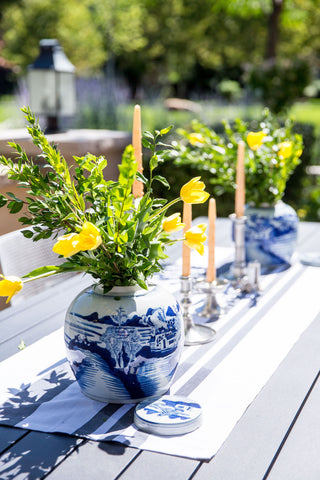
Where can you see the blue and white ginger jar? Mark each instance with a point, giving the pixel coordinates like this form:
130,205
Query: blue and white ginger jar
124,346
270,235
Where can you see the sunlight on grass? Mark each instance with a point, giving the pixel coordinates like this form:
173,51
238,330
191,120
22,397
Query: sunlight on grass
307,112
155,115
10,114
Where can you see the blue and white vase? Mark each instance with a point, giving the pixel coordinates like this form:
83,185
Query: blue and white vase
124,346
270,235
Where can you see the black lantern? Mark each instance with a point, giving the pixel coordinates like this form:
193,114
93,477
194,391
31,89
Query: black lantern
51,83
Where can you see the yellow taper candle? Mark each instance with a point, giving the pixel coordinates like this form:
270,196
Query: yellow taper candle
137,188
186,251
240,182
212,215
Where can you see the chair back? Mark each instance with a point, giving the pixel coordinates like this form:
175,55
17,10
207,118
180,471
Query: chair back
20,255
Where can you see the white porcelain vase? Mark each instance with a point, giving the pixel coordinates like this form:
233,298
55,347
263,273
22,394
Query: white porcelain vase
124,346
271,235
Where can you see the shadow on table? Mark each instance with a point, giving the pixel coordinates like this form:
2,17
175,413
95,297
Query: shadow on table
35,455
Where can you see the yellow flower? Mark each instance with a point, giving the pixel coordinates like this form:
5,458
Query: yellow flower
173,223
89,237
195,138
9,286
195,237
285,149
67,245
193,191
255,139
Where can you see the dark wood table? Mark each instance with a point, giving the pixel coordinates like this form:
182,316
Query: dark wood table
278,436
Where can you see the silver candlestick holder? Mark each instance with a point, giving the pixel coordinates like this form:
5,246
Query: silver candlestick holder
194,334
242,277
251,281
212,308
239,266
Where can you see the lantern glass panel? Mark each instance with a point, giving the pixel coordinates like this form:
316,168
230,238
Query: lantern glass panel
43,91
67,94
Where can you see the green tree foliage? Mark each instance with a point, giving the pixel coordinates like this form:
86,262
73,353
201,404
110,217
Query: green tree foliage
24,25
89,31
168,43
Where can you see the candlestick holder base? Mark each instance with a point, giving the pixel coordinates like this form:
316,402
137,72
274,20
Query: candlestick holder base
250,281
212,308
194,334
198,335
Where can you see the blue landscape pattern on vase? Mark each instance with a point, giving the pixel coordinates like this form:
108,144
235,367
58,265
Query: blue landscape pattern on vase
124,356
271,239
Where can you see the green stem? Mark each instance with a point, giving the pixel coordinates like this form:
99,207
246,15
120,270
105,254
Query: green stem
163,209
109,255
53,272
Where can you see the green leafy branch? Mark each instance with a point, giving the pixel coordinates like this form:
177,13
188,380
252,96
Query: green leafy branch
59,202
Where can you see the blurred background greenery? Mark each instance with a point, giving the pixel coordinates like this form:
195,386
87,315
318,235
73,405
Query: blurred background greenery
229,59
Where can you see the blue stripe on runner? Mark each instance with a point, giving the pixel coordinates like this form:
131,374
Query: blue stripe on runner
24,402
192,359
97,420
204,371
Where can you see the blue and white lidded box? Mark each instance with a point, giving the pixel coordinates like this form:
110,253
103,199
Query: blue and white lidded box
168,415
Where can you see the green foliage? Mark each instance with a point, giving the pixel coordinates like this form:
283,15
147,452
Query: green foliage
279,83
81,27
133,240
147,43
310,210
22,345
216,155
230,90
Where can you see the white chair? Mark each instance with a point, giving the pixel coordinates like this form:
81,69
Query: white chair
20,255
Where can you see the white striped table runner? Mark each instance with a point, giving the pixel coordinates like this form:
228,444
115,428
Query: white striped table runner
223,376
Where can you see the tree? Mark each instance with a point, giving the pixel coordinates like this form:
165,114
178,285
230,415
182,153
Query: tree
31,20
89,31
273,29
173,45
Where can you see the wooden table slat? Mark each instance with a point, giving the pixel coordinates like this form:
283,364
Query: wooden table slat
254,441
156,466
35,455
9,435
299,458
103,460
45,315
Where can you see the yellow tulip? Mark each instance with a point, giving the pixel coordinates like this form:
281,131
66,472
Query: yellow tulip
285,149
173,223
193,191
255,139
9,286
67,245
195,237
195,138
89,237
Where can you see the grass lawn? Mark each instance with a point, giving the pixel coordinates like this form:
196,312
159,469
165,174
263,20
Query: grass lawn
307,112
10,115
155,115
